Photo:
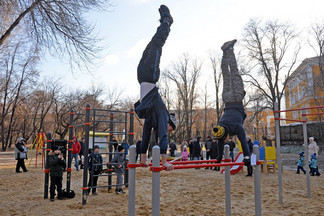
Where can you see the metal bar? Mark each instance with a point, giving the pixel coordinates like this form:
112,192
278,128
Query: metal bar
277,126
257,185
49,145
294,120
312,114
86,151
227,183
113,111
131,181
68,174
79,114
306,156
111,129
317,107
77,125
156,181
126,141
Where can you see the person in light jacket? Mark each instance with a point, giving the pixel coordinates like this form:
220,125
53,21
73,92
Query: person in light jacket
20,155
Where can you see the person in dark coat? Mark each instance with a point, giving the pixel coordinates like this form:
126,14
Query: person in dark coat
56,165
249,167
115,143
81,153
214,151
138,148
173,147
119,165
20,155
95,168
231,122
232,147
196,148
208,148
190,145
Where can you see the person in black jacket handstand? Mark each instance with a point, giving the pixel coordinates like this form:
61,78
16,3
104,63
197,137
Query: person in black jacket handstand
231,123
151,106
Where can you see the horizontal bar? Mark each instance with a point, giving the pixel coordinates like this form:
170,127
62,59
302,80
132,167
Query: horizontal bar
313,114
205,165
79,114
290,120
113,111
199,161
77,125
317,107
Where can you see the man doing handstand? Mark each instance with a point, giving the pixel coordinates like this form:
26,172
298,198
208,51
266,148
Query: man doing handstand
151,106
231,122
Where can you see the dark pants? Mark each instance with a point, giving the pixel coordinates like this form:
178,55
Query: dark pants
21,163
249,170
148,69
93,179
314,171
56,182
300,168
232,155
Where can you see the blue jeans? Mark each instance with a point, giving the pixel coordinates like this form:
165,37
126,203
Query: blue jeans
76,158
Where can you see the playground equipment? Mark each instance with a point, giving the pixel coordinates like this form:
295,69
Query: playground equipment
277,127
236,168
37,150
156,168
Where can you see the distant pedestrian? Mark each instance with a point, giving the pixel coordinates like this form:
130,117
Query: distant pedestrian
300,163
119,161
185,153
21,155
313,166
208,145
232,146
312,148
214,151
95,168
76,148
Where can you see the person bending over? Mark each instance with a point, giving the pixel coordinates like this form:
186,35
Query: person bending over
151,106
231,122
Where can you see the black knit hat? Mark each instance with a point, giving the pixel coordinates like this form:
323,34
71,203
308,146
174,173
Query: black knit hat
120,148
55,148
96,147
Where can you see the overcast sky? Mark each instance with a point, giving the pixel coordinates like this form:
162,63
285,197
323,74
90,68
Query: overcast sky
199,26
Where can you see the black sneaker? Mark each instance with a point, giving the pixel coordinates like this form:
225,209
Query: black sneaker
165,14
121,191
52,199
117,191
228,45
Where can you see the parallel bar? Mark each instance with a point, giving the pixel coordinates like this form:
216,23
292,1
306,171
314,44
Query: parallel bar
304,114
114,111
131,182
317,107
227,183
257,184
156,182
293,120
69,162
306,156
86,150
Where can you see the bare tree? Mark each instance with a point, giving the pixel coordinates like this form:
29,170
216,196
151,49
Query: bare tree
317,36
185,74
58,26
271,57
217,81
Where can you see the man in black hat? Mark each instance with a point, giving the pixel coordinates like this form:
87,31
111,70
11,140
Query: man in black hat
231,123
151,106
95,168
56,165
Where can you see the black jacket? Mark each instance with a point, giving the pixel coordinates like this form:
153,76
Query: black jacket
214,150
57,166
196,149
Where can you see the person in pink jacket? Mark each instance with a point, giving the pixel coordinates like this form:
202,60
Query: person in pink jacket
76,148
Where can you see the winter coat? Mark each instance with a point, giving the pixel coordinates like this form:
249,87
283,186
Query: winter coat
119,159
312,149
196,149
313,163
208,144
56,165
95,162
76,147
20,151
214,150
185,155
173,147
300,161
232,145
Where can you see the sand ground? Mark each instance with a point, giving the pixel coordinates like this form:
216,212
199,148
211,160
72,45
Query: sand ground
183,192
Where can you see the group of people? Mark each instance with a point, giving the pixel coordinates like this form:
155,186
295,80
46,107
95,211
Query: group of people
313,150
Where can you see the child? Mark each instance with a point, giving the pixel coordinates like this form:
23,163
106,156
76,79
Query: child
300,163
185,153
95,168
119,161
57,165
313,165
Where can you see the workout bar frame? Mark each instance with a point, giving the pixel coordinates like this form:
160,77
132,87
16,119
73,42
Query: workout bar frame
307,108
156,168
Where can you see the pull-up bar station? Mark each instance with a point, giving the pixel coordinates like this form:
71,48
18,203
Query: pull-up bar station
156,168
277,127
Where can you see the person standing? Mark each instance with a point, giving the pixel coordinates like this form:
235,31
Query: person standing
173,148
214,152
184,143
208,146
119,161
232,147
115,143
81,154
196,148
151,106
76,148
56,165
138,148
191,149
249,166
125,145
312,148
21,154
231,122
95,168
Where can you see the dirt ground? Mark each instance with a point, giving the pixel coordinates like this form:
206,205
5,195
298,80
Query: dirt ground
183,192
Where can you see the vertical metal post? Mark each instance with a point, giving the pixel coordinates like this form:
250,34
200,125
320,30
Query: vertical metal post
47,170
278,154
156,181
257,185
111,130
132,181
69,169
306,154
130,139
86,152
227,183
